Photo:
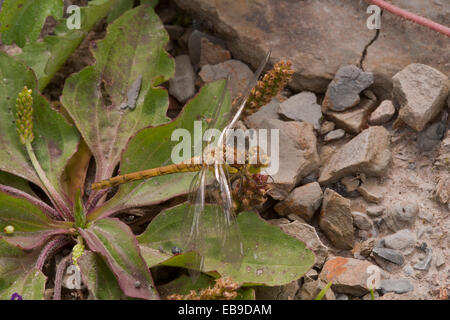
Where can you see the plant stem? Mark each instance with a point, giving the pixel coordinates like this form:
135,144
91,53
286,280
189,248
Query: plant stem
50,190
323,291
412,17
372,296
49,249
59,277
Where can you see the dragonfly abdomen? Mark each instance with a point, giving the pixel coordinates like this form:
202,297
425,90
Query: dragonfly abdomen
145,174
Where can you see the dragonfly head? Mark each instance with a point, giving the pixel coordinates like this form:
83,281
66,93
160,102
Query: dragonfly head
257,160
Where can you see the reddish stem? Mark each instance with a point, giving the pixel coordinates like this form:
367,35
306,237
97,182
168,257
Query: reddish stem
412,17
49,249
59,277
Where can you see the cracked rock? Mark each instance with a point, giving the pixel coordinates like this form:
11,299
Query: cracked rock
367,153
421,92
343,92
302,107
336,220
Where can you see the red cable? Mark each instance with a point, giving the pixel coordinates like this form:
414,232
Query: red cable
412,17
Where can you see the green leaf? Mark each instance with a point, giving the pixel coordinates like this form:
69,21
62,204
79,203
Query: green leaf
18,274
152,148
8,179
119,9
97,97
55,140
183,285
78,211
101,282
271,257
116,243
47,57
22,20
32,226
153,3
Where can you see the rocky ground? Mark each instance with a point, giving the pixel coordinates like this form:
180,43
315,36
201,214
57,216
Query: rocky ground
364,173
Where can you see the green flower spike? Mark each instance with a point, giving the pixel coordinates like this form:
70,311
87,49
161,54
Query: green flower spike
24,115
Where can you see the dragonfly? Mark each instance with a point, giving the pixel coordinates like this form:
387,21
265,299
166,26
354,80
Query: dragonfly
212,184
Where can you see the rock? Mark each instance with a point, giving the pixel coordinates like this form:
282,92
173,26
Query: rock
343,92
367,247
326,152
349,275
211,53
240,75
302,107
308,235
310,290
195,44
295,29
303,201
182,85
371,191
432,135
334,135
401,214
425,263
286,292
341,296
408,270
389,255
268,111
376,211
442,189
383,113
311,275
326,127
397,286
298,145
421,92
175,31
336,220
362,221
354,120
403,240
351,183
367,153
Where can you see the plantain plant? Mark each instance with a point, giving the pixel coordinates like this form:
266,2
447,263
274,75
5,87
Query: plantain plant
45,153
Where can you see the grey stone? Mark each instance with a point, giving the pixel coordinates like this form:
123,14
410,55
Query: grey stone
343,92
353,120
302,107
298,145
421,92
389,255
403,240
425,263
334,135
408,270
182,85
362,221
383,113
341,296
195,44
367,153
401,214
432,135
268,111
397,286
303,201
308,235
336,220
375,211
240,75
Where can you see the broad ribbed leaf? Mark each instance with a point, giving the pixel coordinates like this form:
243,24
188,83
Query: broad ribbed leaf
22,20
47,56
271,257
55,140
11,180
152,148
18,274
116,243
32,226
101,282
100,98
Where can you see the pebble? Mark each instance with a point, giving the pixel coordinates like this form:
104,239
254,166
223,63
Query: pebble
421,92
343,92
336,220
367,246
212,53
375,211
432,135
362,221
182,85
408,270
403,240
425,263
351,183
303,201
397,286
371,191
389,255
268,111
401,214
326,127
302,107
334,135
383,113
341,296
